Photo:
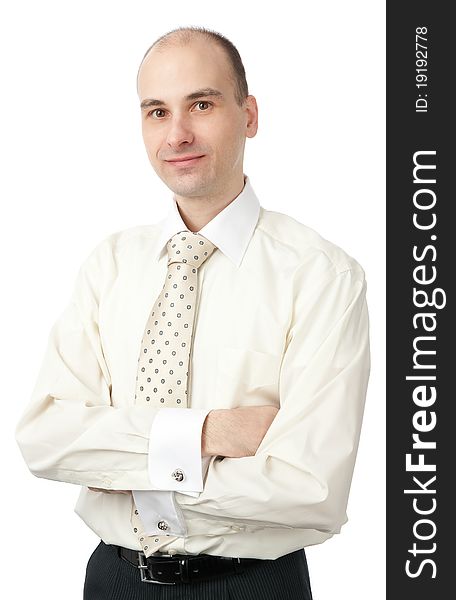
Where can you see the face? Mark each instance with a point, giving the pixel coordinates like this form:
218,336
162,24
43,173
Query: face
189,110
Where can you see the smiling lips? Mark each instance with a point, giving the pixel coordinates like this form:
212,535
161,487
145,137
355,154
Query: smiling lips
185,160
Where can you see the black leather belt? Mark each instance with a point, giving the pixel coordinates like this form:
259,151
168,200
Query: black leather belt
184,568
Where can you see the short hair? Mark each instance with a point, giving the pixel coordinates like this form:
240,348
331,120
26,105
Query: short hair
181,36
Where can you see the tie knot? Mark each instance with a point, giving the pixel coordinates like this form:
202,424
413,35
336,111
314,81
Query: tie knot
189,247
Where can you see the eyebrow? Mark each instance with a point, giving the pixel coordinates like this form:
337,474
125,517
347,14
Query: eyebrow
201,93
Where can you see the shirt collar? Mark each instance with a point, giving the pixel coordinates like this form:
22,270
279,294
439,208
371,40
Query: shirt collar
230,230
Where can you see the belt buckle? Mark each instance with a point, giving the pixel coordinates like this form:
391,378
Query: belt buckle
144,571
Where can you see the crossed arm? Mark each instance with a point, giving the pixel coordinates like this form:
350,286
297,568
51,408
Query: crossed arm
291,469
233,432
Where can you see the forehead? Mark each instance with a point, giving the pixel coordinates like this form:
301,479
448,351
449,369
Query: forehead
173,71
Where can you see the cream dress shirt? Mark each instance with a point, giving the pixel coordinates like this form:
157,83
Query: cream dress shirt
281,319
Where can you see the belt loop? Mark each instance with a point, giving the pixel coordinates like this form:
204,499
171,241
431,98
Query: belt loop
238,566
183,568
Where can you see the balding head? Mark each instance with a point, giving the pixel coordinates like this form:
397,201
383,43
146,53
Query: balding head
184,36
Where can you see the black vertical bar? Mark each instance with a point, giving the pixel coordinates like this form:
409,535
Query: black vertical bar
421,248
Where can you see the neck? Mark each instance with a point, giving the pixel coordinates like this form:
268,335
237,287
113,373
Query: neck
197,212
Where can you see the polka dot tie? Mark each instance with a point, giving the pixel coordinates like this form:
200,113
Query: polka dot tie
163,363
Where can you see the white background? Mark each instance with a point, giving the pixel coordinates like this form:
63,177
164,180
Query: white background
74,170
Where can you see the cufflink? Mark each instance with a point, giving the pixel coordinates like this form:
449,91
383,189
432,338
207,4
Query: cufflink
178,475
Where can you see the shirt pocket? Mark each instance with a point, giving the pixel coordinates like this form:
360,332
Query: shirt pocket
249,372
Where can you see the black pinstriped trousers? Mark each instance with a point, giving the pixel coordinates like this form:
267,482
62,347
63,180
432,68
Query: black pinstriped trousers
108,577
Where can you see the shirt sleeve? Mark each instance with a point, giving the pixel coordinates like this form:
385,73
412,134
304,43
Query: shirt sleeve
155,506
301,473
70,431
175,461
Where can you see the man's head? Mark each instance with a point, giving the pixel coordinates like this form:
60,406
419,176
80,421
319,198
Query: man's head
195,102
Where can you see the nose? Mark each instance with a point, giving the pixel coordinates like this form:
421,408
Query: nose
179,132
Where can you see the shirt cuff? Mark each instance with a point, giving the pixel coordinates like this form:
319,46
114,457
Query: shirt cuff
204,464
174,460
156,506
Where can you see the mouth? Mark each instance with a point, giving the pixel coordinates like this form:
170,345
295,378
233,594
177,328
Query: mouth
186,161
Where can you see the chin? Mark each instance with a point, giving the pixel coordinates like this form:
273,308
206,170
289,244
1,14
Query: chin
188,185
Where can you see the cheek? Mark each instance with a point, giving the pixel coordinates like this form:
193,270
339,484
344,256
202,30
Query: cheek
231,145
226,140
151,143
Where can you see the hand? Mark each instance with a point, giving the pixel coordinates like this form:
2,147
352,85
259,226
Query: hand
109,491
236,432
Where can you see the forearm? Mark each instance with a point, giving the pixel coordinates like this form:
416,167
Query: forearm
212,437
236,432
98,446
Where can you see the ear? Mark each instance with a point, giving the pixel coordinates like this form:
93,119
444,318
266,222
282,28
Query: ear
251,112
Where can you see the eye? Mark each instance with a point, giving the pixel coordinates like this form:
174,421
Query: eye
203,102
156,110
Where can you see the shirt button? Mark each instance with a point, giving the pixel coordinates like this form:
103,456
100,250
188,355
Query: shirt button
107,481
163,525
178,475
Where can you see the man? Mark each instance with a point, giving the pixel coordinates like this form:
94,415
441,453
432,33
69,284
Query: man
243,317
